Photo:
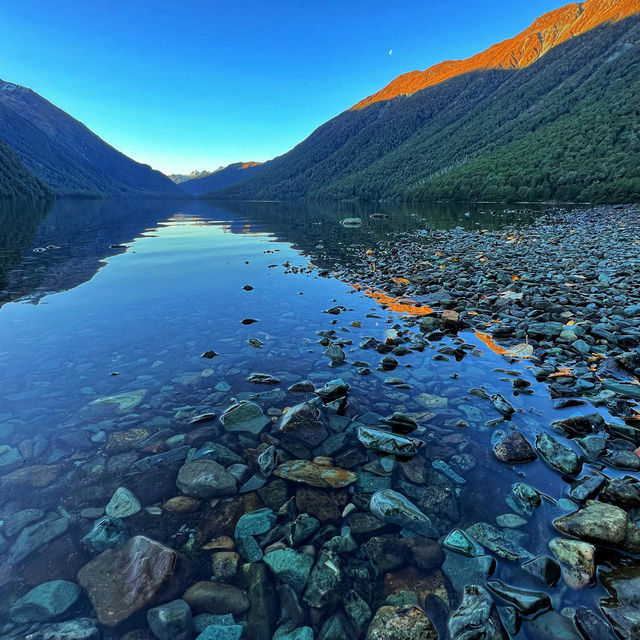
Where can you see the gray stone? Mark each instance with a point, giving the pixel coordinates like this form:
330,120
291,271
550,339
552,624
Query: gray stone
79,629
35,536
220,632
387,442
502,543
392,507
476,618
205,479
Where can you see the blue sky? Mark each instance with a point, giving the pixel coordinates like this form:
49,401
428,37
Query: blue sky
194,84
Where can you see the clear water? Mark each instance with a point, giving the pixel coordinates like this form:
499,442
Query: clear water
104,297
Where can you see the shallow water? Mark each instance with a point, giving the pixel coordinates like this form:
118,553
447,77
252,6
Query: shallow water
100,298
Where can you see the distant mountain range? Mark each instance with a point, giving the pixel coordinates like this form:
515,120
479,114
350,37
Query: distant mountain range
550,114
57,151
224,177
178,178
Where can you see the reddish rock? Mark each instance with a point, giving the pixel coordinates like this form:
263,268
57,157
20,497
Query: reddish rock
121,581
321,503
317,473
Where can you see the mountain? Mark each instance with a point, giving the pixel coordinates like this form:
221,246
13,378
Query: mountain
550,114
179,178
66,156
16,181
224,177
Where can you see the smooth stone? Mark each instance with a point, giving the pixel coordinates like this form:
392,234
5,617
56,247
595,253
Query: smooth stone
577,559
34,536
510,521
45,602
123,504
586,488
464,570
205,479
527,602
406,622
121,581
20,520
392,507
333,389
214,597
244,416
125,401
387,442
316,474
255,523
552,626
602,523
171,621
302,422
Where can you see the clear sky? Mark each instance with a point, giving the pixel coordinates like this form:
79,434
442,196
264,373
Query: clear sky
194,84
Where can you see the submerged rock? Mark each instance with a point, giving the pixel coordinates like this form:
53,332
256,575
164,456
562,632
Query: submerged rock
79,629
125,401
121,581
388,442
291,567
205,479
107,532
303,423
407,622
392,507
244,416
317,473
213,597
171,621
502,543
45,602
622,609
35,536
123,504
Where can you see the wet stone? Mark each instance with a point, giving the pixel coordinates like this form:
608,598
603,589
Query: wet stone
20,520
302,422
291,567
171,621
577,561
460,542
107,532
392,507
558,456
221,632
502,543
205,479
79,629
324,581
45,602
123,504
407,622
244,416
213,597
527,602
387,442
317,473
514,448
35,536
545,569
121,581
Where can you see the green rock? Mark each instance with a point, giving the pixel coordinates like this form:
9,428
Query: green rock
499,542
301,633
460,542
558,456
255,523
291,567
244,416
46,601
219,632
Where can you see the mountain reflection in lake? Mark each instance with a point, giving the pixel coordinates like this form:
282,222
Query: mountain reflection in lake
104,387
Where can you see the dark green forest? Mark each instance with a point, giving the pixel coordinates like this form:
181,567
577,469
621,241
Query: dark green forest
16,181
565,128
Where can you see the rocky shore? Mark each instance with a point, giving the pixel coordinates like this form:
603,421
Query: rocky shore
379,496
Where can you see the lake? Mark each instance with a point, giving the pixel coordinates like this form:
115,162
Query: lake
125,326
